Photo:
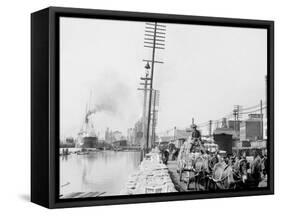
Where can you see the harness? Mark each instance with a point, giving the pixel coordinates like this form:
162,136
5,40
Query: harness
220,180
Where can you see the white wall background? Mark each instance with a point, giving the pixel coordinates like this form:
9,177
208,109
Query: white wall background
15,106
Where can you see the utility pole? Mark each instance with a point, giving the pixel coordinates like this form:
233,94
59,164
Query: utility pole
154,115
175,128
265,89
261,119
210,128
265,112
235,119
145,89
237,114
154,39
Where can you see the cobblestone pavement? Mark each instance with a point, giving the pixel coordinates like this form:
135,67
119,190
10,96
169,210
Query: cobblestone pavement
180,186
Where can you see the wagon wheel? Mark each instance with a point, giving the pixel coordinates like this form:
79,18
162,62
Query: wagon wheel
180,174
189,179
181,170
187,185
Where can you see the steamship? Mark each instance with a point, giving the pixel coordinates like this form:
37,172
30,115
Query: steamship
87,137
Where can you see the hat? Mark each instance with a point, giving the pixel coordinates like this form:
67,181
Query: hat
193,126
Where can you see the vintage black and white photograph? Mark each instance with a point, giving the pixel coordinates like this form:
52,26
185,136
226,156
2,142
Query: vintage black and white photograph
152,107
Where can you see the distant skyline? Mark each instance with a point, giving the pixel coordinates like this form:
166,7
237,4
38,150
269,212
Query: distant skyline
207,71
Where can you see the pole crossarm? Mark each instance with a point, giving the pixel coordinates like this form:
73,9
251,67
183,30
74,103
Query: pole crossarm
144,78
157,40
158,44
154,47
156,37
157,32
159,62
142,89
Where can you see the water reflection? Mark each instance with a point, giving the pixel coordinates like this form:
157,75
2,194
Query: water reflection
104,171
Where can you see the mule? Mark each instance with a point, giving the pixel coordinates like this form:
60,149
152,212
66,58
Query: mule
201,171
222,177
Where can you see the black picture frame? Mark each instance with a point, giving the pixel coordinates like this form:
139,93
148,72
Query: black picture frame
45,104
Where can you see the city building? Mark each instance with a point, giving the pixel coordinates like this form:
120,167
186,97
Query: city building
265,127
252,128
224,142
68,142
108,136
176,136
235,126
117,135
120,143
182,134
131,136
228,131
138,133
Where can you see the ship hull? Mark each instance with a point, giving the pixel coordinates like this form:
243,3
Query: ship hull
90,142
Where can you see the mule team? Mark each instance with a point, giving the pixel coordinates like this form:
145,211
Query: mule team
207,170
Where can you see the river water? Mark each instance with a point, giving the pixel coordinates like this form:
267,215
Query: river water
102,171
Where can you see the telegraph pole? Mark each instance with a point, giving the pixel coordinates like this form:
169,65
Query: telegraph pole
154,115
175,128
154,39
261,125
265,112
145,88
210,128
237,114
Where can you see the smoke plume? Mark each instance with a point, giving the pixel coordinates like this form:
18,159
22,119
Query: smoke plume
112,99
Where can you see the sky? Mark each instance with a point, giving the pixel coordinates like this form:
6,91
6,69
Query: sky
206,71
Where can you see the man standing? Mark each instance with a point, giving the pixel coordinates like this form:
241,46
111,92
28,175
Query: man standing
256,168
